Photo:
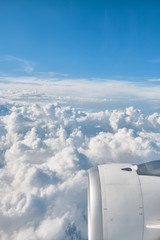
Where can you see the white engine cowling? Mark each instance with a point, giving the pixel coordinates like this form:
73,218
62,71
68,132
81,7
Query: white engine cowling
124,202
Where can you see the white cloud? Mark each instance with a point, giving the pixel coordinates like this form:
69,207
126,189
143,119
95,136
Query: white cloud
154,80
46,149
12,67
51,229
21,64
84,89
51,74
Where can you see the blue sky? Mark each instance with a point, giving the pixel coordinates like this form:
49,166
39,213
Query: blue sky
81,38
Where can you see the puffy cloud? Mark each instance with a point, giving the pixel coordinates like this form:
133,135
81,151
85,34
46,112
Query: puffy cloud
46,149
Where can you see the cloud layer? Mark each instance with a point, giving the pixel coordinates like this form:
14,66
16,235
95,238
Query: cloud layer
45,151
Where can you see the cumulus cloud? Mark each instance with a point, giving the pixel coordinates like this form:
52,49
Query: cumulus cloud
45,151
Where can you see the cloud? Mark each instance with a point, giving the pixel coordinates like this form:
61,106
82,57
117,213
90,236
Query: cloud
22,65
51,74
84,88
16,66
46,149
154,80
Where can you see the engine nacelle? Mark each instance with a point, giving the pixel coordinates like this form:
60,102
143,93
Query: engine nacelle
124,202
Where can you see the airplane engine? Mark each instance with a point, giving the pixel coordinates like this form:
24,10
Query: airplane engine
124,202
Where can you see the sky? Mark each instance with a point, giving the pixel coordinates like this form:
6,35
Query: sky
82,39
